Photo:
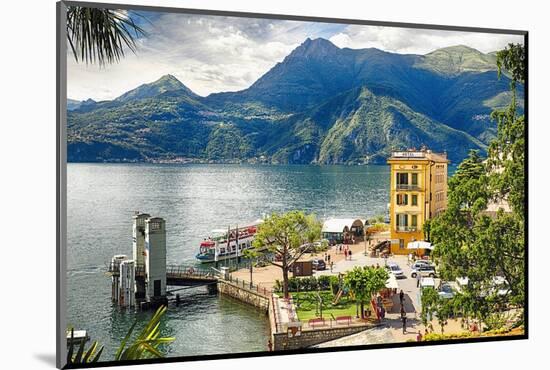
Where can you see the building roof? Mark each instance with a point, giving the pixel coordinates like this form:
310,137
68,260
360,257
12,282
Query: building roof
416,155
337,225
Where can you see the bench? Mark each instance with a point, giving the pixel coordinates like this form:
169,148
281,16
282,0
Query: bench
316,322
342,319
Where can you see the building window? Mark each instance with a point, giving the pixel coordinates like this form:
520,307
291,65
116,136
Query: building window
402,199
414,179
414,200
402,178
402,222
414,221
401,243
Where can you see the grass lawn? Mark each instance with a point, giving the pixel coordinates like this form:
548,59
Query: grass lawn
307,305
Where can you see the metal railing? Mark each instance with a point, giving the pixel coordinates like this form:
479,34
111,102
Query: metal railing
182,271
276,315
406,228
257,288
407,187
332,322
312,324
171,271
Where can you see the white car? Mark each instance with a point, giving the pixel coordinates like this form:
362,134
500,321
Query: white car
395,270
423,271
419,263
427,282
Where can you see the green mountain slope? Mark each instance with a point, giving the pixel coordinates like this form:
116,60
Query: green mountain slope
361,127
454,60
321,104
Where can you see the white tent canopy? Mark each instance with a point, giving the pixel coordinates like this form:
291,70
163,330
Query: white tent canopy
339,225
420,245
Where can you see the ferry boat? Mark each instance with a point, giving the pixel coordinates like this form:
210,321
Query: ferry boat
226,244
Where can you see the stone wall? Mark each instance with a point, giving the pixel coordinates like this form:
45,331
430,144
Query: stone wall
243,294
307,338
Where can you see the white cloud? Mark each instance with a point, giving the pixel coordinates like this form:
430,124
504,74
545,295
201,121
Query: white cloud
418,41
208,54
213,54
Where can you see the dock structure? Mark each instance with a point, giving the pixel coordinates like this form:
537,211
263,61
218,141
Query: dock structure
138,249
143,280
155,259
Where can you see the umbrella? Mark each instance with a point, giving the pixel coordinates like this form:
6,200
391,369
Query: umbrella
392,282
420,245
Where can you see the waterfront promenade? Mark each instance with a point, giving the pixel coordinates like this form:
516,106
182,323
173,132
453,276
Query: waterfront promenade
390,329
266,276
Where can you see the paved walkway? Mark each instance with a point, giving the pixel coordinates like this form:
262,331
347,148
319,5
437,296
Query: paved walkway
371,336
391,331
266,276
408,284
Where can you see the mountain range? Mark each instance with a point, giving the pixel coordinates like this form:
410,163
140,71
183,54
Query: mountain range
321,104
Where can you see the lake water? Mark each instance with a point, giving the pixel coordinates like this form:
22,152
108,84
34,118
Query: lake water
193,199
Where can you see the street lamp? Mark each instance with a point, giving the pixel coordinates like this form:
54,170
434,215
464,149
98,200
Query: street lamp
366,236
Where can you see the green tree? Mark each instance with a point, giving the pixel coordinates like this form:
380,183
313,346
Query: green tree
430,302
250,255
287,236
469,240
364,283
100,35
506,160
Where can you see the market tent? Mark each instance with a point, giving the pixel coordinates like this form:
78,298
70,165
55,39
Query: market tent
339,225
341,229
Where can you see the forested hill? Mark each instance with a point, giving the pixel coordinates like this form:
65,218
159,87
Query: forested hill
321,104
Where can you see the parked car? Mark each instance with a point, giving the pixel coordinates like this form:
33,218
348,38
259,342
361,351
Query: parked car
395,270
318,264
419,263
423,271
446,291
427,282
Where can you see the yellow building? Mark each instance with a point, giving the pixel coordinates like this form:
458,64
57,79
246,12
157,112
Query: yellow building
418,192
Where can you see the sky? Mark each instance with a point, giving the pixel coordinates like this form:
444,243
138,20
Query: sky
213,54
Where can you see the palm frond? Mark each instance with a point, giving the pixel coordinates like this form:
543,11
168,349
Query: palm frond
101,35
146,344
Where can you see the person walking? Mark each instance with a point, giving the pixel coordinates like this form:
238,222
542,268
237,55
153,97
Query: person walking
404,320
417,279
345,254
331,266
419,337
349,254
401,297
328,258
